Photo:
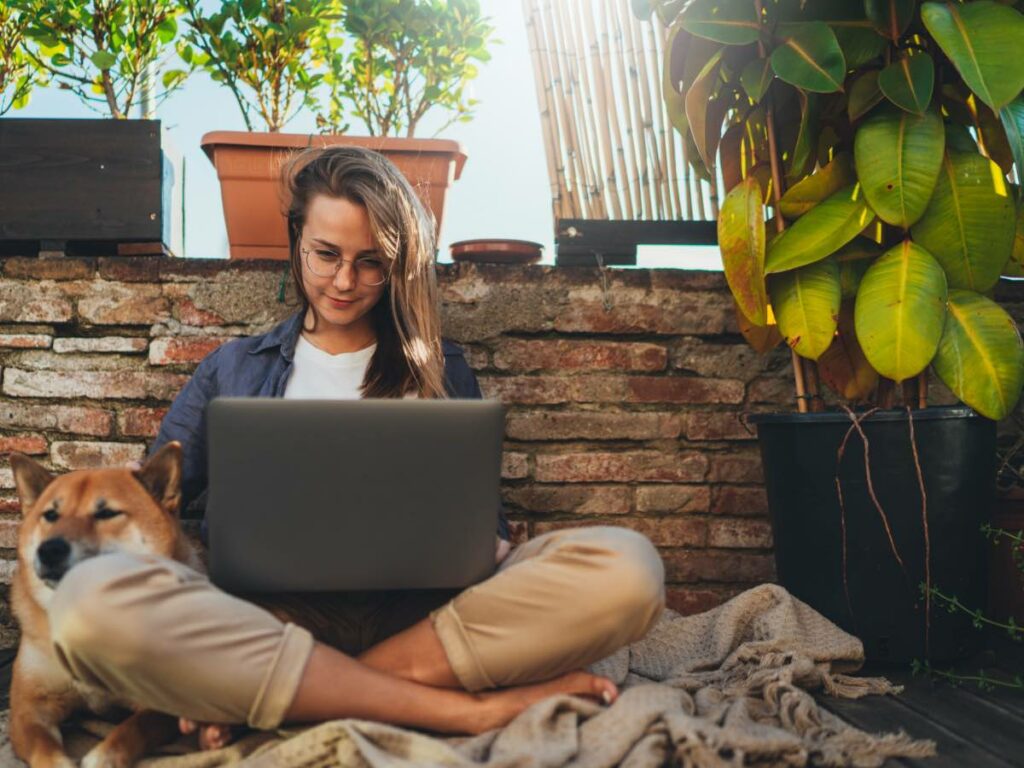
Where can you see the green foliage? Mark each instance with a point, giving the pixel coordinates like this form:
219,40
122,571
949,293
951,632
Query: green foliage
100,49
926,99
389,62
18,74
263,52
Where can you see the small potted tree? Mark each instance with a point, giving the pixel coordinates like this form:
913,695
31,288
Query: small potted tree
107,178
868,152
384,62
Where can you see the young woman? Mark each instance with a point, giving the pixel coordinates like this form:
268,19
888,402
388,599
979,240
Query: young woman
368,326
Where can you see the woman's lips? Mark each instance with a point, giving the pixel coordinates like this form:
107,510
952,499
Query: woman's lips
340,304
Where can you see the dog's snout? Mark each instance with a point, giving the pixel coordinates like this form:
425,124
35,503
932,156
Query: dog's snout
54,552
53,558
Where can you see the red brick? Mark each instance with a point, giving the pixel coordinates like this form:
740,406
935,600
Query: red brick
673,498
106,303
6,476
140,422
561,355
716,425
131,269
740,534
727,361
547,390
772,389
90,455
683,389
183,349
735,468
99,385
63,418
27,302
591,425
30,444
664,312
662,531
10,505
7,571
25,340
185,311
579,500
739,500
627,466
514,465
49,269
696,565
104,344
692,601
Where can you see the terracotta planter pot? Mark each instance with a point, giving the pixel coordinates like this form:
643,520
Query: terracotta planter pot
1006,582
249,168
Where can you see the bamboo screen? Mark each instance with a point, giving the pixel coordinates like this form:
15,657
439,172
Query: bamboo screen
611,151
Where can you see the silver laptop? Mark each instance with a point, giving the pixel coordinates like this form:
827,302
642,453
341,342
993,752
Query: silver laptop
316,495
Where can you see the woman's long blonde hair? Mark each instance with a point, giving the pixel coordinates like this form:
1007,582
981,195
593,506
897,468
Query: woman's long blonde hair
408,357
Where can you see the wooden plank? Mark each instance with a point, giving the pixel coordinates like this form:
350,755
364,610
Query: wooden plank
876,714
578,240
80,180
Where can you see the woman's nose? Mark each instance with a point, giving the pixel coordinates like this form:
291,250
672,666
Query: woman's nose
346,278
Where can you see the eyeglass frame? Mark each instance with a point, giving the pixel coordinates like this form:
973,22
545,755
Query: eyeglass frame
387,271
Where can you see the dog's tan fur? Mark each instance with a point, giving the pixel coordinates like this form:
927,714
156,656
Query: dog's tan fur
43,694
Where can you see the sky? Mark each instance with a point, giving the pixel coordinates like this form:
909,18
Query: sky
503,192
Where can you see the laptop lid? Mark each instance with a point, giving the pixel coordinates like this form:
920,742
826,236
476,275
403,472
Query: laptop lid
317,495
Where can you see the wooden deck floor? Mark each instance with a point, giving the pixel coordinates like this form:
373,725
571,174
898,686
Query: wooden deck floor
972,728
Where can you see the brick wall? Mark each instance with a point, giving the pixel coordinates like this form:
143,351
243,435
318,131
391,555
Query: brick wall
623,406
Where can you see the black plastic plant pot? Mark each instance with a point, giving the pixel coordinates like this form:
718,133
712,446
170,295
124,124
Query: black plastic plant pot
878,599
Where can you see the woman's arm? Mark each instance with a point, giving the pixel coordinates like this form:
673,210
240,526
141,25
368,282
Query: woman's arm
186,423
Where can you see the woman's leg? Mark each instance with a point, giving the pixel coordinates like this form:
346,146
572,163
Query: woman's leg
557,603
158,634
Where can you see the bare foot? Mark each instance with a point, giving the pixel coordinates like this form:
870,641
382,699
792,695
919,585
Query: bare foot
503,705
211,735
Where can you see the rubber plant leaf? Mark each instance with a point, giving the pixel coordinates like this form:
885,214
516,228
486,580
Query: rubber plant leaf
806,304
821,231
700,110
890,17
864,95
741,240
756,77
810,58
762,338
859,45
843,366
811,190
732,22
908,83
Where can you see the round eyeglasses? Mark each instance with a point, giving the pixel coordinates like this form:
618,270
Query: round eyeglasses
370,270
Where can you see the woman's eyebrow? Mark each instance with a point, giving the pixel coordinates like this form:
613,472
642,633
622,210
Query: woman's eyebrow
332,246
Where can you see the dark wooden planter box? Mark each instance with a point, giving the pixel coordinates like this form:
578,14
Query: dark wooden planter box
82,185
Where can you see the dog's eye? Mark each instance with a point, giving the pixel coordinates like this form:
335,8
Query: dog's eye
51,516
106,514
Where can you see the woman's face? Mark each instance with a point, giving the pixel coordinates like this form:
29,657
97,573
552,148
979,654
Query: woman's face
335,229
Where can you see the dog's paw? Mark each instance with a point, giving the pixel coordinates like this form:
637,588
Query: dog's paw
102,757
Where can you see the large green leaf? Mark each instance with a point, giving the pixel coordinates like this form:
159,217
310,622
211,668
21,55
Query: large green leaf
890,17
700,111
822,230
859,45
908,83
1012,118
733,22
898,157
1015,266
811,190
854,258
981,357
756,77
864,95
969,223
811,58
900,309
741,241
806,304
843,366
801,159
984,41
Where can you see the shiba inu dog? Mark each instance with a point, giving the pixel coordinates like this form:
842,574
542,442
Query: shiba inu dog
65,520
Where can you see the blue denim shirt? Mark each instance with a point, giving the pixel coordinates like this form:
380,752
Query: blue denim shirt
259,366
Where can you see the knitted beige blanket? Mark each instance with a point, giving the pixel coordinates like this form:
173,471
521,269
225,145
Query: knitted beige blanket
728,687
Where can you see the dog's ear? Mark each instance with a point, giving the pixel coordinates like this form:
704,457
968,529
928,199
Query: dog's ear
161,476
30,478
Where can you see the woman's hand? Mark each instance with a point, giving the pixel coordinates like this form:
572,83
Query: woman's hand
501,550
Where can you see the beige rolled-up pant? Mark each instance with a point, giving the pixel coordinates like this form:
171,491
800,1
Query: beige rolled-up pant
159,634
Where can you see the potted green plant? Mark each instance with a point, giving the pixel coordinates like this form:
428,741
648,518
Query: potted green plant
868,152
384,62
107,178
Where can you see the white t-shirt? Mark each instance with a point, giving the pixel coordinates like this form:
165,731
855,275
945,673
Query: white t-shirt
319,375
